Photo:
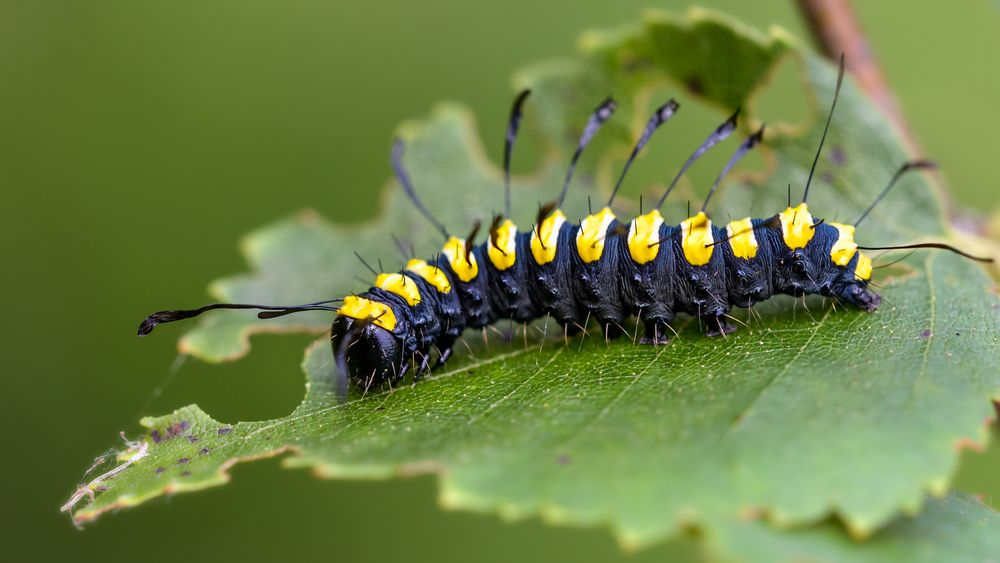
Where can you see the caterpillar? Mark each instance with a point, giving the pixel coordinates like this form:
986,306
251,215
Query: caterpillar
602,268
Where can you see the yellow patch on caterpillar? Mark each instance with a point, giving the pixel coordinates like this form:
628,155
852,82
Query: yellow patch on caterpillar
644,237
400,285
590,237
845,247
863,269
431,274
545,237
742,239
697,239
360,308
797,226
502,250
463,264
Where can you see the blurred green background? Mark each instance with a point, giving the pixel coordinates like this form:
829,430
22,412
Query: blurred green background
140,140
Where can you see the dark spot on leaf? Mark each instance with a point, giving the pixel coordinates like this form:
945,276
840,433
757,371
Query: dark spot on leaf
203,451
837,156
160,470
563,459
694,84
958,334
155,435
926,333
184,460
224,430
185,473
192,438
174,430
185,425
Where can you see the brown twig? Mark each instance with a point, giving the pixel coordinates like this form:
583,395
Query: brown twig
836,29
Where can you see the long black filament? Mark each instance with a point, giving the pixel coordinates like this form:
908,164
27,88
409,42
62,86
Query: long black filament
495,233
751,142
912,165
365,263
938,245
398,148
594,123
512,127
829,117
161,317
290,310
659,117
470,240
717,136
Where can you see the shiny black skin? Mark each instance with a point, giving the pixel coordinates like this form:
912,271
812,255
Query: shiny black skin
598,286
510,294
551,285
649,288
609,290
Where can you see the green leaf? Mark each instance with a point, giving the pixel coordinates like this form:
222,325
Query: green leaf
804,413
955,528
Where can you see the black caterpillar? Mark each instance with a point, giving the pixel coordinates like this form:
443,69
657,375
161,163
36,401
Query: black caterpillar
602,269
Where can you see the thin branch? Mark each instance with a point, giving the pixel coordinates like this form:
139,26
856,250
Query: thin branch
836,29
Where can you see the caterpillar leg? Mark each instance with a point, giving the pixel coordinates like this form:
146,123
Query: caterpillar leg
572,328
612,330
656,334
445,346
425,367
445,354
404,366
718,326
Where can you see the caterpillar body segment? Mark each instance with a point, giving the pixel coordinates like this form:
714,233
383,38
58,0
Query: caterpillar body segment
506,271
596,264
646,270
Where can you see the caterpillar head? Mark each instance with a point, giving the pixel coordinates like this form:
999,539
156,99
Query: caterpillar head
851,285
856,292
366,348
842,271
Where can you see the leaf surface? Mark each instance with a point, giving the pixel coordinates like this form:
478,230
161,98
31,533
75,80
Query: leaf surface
954,528
807,411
